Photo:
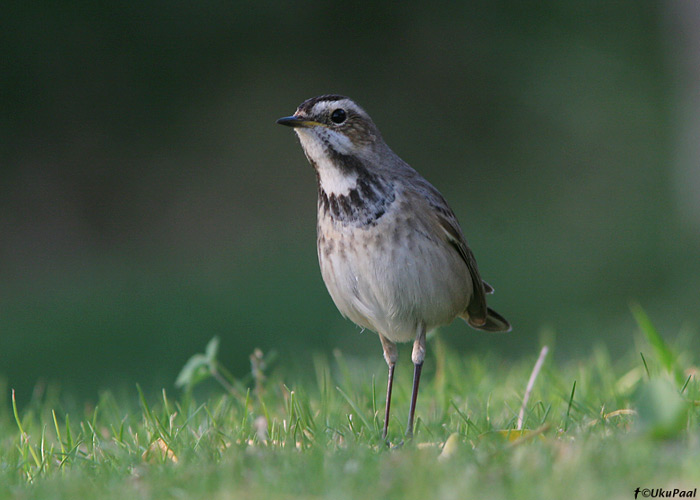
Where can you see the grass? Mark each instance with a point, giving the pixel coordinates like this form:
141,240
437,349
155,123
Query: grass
591,428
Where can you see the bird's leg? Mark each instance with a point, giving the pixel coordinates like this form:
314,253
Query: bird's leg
391,354
417,356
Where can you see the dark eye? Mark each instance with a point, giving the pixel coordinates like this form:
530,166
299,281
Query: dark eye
338,116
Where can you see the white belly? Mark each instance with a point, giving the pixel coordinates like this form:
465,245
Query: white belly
391,277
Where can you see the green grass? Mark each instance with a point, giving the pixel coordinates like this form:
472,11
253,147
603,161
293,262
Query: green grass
593,428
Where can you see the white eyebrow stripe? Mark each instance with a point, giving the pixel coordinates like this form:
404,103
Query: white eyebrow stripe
322,107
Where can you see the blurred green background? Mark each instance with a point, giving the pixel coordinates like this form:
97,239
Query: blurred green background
149,202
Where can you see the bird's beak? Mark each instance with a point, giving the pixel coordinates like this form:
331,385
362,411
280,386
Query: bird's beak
295,121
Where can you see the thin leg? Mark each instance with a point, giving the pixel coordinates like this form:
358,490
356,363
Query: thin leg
414,397
388,400
391,354
417,357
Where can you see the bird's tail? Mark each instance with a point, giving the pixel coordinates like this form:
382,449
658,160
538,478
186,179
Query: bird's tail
494,322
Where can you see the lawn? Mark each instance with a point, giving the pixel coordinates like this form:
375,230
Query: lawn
591,427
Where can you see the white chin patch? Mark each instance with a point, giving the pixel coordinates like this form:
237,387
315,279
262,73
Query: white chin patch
333,179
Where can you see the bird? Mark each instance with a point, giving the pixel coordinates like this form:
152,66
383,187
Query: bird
391,252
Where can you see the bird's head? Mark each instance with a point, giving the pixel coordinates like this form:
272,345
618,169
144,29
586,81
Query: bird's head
331,127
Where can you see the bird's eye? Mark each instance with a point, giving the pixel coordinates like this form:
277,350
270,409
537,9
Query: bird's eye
338,116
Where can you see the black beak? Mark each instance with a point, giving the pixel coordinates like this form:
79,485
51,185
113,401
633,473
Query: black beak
295,121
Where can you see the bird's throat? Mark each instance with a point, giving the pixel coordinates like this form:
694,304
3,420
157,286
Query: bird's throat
363,200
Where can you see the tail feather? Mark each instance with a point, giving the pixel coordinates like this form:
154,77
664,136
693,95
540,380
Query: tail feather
494,322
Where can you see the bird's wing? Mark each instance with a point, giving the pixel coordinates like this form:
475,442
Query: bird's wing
476,313
476,309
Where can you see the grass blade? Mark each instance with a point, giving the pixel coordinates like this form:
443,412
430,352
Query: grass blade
663,352
356,408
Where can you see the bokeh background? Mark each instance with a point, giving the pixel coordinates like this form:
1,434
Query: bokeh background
149,202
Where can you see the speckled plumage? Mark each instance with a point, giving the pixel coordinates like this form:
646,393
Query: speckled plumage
390,249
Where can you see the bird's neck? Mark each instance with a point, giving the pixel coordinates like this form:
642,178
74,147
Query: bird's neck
334,179
352,195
